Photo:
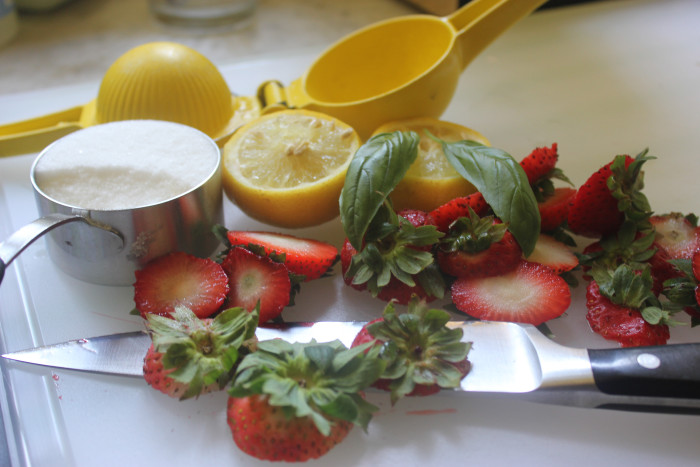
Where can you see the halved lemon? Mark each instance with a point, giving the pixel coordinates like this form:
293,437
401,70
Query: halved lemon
287,168
431,181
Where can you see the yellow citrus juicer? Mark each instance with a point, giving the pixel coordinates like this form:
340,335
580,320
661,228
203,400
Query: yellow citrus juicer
399,68
155,81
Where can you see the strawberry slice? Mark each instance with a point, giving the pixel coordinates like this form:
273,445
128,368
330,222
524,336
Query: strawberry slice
254,278
594,210
532,293
308,257
554,209
540,162
180,279
449,212
620,323
553,254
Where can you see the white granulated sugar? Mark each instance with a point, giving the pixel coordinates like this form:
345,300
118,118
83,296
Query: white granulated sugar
125,165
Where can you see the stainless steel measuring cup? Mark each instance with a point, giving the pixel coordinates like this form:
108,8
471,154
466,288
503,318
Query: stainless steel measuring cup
106,246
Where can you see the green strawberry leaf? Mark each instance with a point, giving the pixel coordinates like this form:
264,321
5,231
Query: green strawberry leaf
320,380
504,185
375,170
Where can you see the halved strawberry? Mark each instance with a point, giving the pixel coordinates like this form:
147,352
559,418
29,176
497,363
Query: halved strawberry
178,278
554,209
308,257
449,212
677,237
190,357
553,254
257,279
395,290
620,323
478,247
427,356
532,293
540,162
400,263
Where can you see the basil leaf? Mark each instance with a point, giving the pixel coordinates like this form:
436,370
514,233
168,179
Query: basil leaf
504,185
377,167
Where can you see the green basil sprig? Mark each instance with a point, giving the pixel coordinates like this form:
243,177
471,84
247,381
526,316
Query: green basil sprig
504,185
378,166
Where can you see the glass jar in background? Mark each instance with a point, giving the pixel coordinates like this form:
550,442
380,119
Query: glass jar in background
8,21
203,14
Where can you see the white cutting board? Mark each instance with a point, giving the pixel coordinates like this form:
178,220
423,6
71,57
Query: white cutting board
600,79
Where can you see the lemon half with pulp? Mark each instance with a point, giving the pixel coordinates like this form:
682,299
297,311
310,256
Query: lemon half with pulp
287,168
431,181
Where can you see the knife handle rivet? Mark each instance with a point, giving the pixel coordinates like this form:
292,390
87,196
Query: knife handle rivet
649,361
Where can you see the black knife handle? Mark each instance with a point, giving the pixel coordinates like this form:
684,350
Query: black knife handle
662,371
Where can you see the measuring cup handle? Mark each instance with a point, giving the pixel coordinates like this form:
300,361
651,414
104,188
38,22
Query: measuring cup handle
480,22
25,236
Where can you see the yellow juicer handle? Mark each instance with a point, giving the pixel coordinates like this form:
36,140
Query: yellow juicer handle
34,134
480,22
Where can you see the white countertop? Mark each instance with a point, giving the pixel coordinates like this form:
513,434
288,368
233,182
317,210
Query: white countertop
599,80
79,40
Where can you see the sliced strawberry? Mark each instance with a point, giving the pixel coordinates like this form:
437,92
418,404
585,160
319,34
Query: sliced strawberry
553,254
594,210
478,247
305,256
620,323
178,278
676,238
554,210
459,207
540,162
254,278
532,293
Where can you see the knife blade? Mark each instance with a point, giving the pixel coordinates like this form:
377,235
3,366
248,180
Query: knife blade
508,359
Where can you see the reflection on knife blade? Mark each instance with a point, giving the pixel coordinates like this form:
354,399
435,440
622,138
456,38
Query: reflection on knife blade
506,358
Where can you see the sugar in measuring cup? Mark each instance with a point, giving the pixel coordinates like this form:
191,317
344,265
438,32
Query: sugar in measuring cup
114,196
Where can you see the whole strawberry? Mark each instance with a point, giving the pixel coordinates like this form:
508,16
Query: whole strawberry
608,197
190,357
621,323
295,402
622,307
445,215
424,355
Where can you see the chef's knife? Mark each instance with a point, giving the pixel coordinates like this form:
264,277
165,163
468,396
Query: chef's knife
508,359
